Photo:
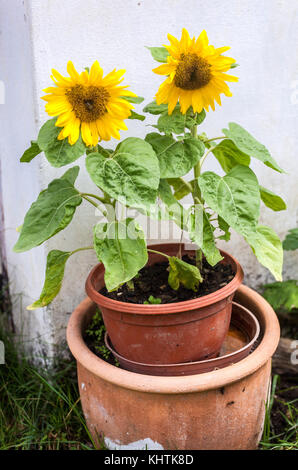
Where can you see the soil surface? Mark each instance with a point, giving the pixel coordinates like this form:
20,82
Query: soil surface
153,281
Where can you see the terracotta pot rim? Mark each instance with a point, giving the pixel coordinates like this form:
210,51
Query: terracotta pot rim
181,384
174,307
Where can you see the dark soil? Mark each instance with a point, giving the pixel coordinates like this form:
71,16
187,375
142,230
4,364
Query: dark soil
153,281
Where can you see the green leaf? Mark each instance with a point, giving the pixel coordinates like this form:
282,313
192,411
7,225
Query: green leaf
71,174
133,99
137,116
235,197
268,249
176,158
54,276
159,54
50,213
233,66
121,247
181,187
224,226
228,155
183,273
201,232
31,152
177,122
130,174
291,241
58,152
272,200
282,295
249,145
154,108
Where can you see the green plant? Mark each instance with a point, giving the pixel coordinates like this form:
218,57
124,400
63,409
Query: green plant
148,174
96,330
39,410
283,296
153,300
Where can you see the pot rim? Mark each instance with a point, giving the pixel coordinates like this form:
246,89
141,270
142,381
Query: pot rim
174,307
214,360
178,384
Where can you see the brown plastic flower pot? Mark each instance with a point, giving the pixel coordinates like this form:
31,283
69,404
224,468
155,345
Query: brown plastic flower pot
173,333
222,409
241,338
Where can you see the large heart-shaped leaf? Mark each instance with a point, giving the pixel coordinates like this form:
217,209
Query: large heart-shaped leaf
58,152
51,212
228,155
250,146
121,247
268,249
130,174
176,158
235,197
54,276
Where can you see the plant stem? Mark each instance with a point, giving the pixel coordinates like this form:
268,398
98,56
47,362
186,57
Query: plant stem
101,199
158,253
81,249
196,194
215,138
94,204
203,158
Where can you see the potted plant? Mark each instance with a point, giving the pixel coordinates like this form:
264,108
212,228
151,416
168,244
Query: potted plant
189,317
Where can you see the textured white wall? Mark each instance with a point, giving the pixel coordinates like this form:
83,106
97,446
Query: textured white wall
38,35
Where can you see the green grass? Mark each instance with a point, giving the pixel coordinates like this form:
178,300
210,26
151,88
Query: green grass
39,411
281,420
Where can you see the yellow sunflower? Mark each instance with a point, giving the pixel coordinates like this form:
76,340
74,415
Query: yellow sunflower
90,102
195,73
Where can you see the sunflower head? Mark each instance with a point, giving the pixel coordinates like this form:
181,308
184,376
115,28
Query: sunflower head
195,74
88,102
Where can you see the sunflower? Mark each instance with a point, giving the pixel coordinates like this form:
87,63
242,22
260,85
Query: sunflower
195,74
90,102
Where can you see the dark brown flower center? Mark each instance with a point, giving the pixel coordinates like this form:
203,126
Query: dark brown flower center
192,72
88,102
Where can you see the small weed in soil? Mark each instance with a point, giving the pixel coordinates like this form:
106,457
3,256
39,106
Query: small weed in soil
152,281
94,338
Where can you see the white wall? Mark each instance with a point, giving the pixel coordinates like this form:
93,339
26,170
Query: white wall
38,35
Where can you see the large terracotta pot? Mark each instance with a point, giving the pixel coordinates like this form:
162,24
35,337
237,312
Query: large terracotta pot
222,409
173,333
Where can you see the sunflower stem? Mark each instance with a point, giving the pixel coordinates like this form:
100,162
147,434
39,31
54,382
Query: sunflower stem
101,199
196,194
94,204
215,138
